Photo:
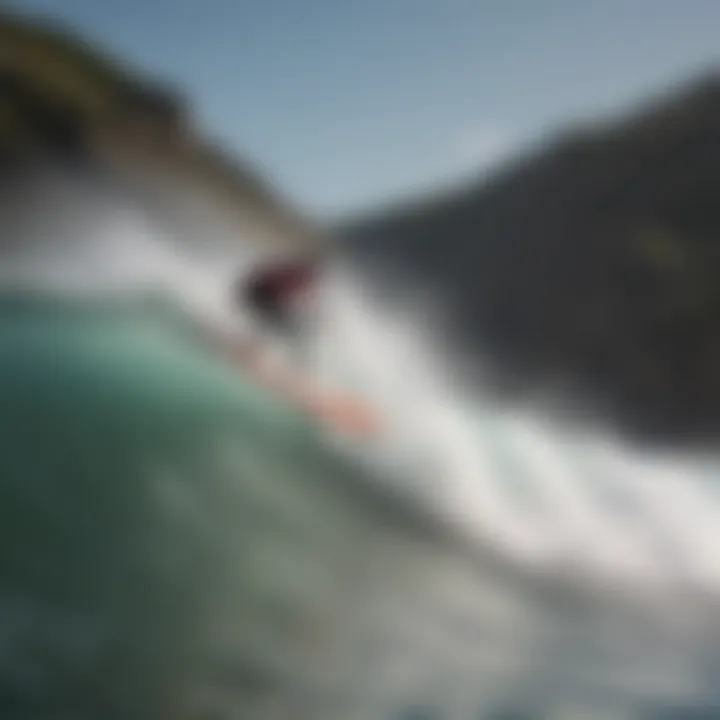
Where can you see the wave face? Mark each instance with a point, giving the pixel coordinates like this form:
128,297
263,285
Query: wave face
177,544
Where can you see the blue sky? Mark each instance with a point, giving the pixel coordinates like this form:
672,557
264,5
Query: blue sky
347,103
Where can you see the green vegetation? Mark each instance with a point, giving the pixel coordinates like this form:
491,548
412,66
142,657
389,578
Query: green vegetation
60,95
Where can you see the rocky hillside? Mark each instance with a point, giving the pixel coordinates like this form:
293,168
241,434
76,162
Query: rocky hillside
58,94
594,263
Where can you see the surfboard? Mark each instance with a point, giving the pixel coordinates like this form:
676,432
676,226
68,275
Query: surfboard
339,410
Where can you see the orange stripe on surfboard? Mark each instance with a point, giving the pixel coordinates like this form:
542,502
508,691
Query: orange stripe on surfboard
345,414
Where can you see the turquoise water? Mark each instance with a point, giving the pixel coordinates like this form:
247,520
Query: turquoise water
176,544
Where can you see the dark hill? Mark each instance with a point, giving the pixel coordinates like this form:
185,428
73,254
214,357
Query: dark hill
595,261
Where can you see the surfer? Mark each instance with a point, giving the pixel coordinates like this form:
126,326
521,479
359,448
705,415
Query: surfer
283,298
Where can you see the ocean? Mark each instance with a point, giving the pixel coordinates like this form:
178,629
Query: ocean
178,544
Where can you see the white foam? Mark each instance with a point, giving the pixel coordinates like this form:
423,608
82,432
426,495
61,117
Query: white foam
443,442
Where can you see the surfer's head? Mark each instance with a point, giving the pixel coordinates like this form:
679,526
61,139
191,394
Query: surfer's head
281,294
